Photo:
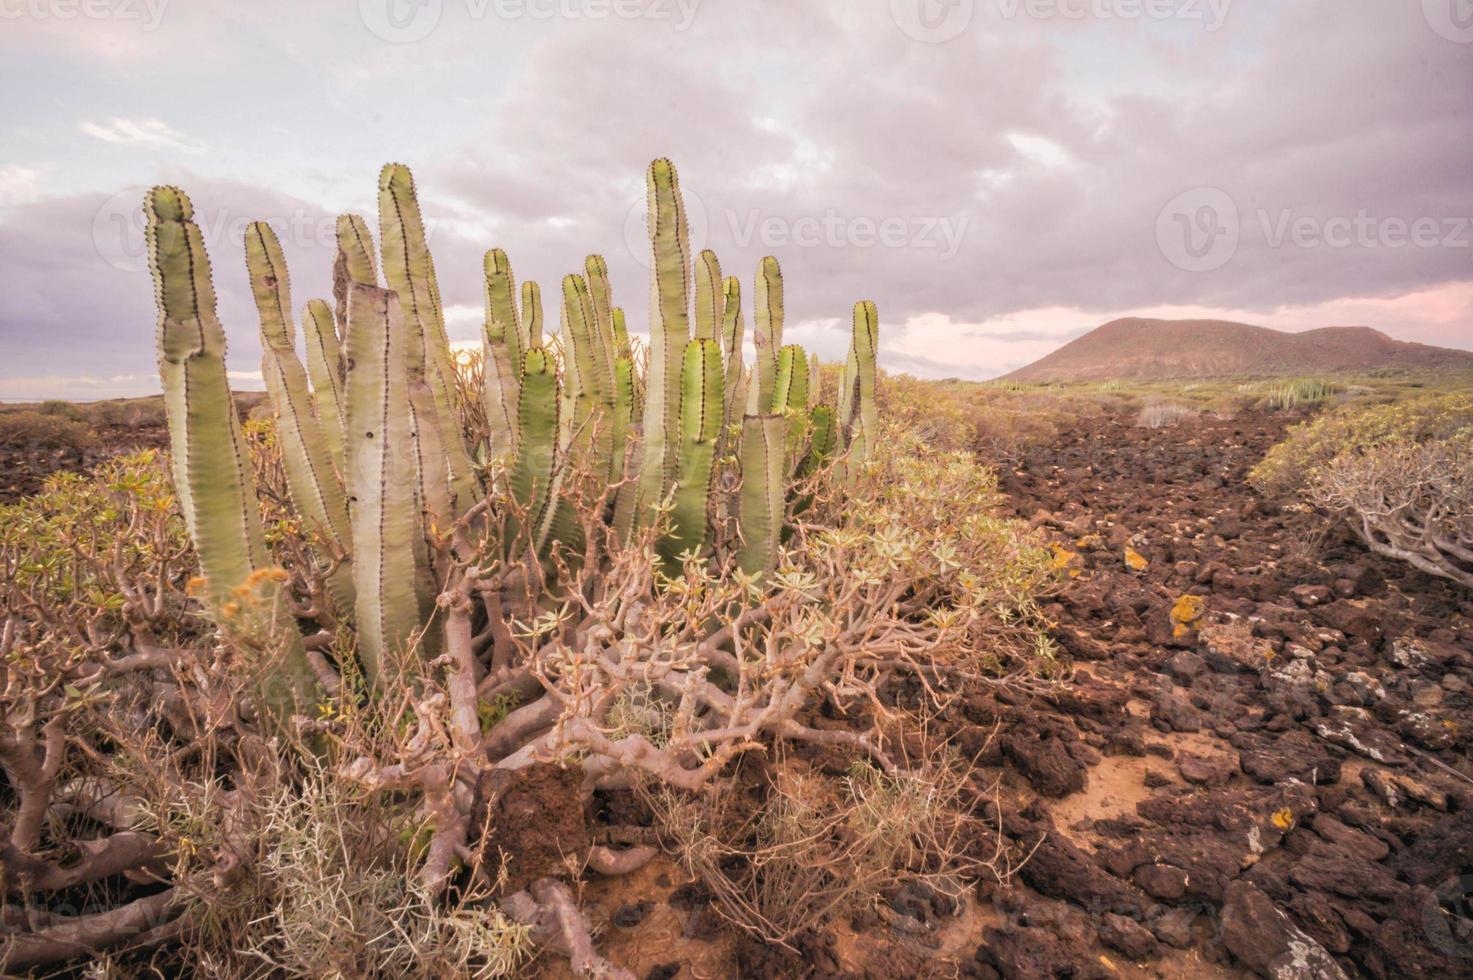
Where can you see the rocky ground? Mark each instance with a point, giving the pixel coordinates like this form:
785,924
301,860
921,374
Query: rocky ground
1263,757
1259,767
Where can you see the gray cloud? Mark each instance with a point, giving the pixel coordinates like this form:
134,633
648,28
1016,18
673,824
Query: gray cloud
1047,152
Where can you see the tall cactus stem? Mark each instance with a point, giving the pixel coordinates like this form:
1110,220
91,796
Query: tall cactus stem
761,499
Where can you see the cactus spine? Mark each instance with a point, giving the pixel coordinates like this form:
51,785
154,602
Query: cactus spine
211,467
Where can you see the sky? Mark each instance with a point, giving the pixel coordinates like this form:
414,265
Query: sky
999,176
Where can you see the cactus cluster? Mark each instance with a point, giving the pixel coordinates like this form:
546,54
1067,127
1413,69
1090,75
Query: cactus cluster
683,437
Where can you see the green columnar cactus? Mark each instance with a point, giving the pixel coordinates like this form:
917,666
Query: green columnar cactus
325,370
532,314
733,330
710,296
503,344
605,334
815,381
790,395
381,477
700,423
305,456
622,347
768,330
212,470
669,332
858,415
501,305
410,272
761,500
537,434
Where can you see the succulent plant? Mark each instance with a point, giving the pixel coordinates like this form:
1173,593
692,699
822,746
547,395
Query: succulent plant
379,465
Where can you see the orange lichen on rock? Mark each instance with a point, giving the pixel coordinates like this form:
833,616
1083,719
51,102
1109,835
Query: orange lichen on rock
1185,612
1134,560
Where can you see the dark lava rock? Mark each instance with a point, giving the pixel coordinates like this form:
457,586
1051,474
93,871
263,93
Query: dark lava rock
1174,927
1059,869
1043,757
1358,842
1293,755
1267,942
1206,769
1331,868
1129,936
1161,881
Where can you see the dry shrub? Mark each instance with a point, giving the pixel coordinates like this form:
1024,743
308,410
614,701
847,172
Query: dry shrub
1401,474
1157,414
139,774
38,430
800,848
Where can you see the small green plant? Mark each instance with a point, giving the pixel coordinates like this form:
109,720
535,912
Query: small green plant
1300,394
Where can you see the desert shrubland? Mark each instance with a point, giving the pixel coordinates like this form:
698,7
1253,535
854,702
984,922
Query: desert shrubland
256,688
1399,473
1157,414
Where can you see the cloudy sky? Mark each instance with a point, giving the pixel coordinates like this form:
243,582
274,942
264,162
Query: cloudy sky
998,175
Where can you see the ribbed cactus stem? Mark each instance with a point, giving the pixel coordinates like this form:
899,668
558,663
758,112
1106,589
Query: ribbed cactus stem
325,371
700,424
381,478
501,305
622,347
733,330
669,331
767,331
605,341
790,395
861,420
537,434
213,477
314,485
761,499
532,314
710,296
410,272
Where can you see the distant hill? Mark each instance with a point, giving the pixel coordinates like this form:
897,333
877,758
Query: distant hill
1148,350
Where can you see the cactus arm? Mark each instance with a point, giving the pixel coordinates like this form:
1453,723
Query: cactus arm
501,306
768,330
710,295
815,381
592,372
381,477
500,391
761,500
410,272
669,330
324,370
622,346
864,415
537,433
606,345
212,471
531,314
700,422
621,459
790,395
355,263
733,328
314,486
